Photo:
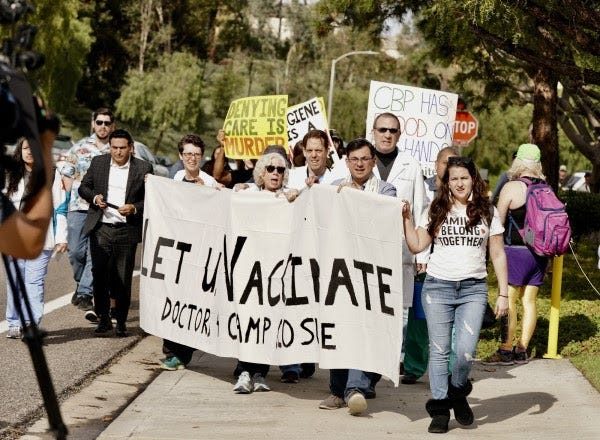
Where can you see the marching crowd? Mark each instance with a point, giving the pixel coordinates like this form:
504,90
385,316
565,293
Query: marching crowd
451,230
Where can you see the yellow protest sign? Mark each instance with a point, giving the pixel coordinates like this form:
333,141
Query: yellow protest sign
254,123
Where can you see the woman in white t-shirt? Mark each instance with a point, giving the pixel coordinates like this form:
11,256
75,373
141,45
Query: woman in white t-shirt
462,223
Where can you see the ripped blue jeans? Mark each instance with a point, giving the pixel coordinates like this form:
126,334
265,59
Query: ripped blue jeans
447,304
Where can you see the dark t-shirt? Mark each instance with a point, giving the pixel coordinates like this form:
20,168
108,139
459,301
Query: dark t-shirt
385,162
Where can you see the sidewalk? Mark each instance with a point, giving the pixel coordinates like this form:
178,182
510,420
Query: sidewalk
545,399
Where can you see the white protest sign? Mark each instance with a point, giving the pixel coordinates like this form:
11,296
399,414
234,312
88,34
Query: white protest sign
250,276
426,118
303,117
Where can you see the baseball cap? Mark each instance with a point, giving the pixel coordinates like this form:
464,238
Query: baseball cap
529,152
563,168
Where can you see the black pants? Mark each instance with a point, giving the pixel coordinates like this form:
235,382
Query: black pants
182,352
252,368
113,258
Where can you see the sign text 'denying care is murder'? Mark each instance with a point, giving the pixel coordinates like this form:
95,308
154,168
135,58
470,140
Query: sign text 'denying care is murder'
251,276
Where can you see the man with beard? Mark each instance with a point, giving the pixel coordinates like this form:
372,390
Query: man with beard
78,161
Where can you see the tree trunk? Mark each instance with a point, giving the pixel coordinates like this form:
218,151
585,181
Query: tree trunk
161,133
544,131
145,24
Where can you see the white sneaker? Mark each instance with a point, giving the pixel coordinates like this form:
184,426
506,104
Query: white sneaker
356,403
14,333
259,383
244,384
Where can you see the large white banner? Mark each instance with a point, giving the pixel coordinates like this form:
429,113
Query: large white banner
251,276
426,118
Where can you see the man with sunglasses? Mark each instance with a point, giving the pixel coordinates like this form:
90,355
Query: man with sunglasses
78,161
404,172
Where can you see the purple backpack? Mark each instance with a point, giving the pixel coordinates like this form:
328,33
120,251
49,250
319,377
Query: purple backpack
546,231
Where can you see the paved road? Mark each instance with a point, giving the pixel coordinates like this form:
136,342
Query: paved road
73,353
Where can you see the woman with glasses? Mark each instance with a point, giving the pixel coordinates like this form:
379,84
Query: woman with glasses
462,224
191,149
18,187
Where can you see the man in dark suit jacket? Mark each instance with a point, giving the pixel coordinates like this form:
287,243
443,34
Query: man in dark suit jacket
114,188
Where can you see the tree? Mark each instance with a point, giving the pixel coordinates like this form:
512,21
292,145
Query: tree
64,40
166,97
519,49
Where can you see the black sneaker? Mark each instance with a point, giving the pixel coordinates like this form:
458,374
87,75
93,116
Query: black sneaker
289,377
520,357
86,303
103,327
500,357
370,393
75,299
121,331
308,369
409,379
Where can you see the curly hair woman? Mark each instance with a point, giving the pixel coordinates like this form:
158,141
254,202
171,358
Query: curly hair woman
462,224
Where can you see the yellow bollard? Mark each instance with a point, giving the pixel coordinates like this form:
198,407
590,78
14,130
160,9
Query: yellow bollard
557,269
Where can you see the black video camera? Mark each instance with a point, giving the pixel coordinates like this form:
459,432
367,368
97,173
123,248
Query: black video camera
20,114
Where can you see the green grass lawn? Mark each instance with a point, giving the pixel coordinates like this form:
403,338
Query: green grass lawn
579,323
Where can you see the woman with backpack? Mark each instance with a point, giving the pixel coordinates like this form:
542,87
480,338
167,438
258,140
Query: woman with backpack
526,269
462,224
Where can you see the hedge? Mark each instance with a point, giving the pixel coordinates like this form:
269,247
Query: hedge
584,212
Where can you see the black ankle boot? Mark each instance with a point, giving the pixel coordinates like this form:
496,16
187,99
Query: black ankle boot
439,410
458,397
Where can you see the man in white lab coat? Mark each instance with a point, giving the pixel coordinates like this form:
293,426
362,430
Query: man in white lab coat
404,172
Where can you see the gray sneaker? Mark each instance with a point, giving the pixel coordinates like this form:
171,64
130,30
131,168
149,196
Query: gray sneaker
332,402
14,333
244,384
259,383
357,403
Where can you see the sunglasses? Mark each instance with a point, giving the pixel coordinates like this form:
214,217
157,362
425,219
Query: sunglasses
100,123
384,129
271,168
459,160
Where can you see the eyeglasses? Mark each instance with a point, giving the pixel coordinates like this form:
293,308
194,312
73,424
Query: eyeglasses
459,160
99,122
355,160
190,155
271,168
384,129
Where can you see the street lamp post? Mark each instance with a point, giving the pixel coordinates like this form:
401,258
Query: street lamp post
332,76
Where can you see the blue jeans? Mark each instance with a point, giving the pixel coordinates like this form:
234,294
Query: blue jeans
447,304
342,382
79,253
295,368
34,273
